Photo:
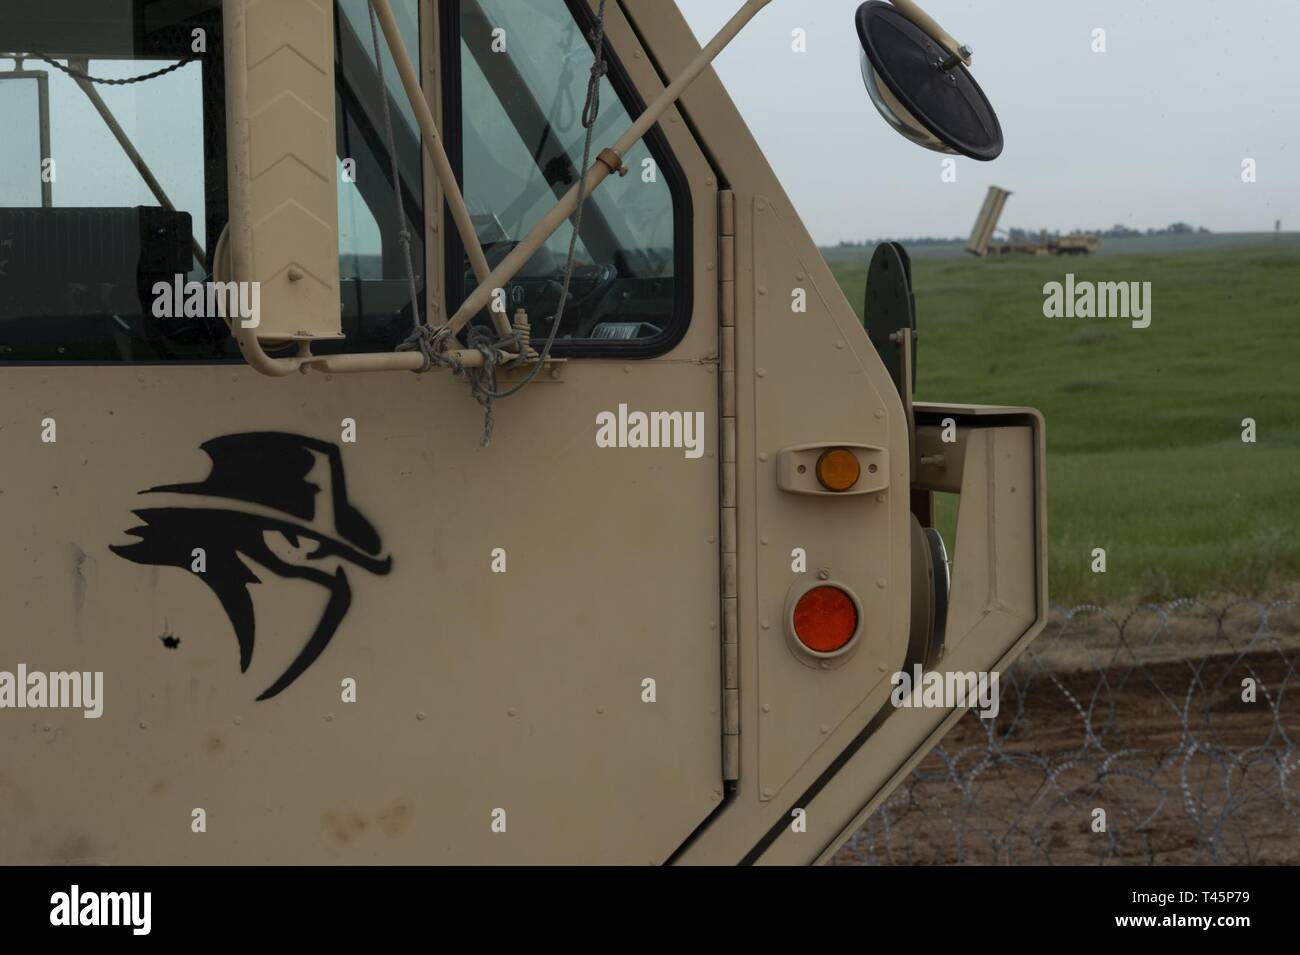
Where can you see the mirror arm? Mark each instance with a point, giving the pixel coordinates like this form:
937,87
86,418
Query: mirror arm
913,12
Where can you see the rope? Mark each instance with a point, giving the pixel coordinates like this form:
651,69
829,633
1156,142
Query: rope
433,343
98,79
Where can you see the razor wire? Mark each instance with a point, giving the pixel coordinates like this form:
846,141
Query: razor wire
1141,715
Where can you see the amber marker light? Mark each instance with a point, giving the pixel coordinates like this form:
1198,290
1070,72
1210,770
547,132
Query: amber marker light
825,619
838,469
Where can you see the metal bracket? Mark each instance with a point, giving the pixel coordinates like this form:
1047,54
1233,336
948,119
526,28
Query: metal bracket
511,374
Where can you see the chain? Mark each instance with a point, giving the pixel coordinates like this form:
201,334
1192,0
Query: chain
78,74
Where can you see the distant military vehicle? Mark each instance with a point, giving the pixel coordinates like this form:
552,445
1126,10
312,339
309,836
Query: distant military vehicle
981,238
430,435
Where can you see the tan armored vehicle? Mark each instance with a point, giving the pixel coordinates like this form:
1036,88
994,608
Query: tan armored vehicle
465,455
981,238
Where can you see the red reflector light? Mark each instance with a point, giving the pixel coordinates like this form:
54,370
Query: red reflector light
825,619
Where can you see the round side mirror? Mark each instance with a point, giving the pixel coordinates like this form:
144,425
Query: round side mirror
922,89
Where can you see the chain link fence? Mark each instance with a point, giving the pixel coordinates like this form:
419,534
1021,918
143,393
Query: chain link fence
1164,736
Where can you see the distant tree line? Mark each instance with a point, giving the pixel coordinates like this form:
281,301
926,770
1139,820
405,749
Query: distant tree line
1018,234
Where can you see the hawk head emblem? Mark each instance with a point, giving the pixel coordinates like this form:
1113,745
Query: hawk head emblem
263,484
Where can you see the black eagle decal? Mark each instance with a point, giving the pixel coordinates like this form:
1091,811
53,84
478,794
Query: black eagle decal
267,469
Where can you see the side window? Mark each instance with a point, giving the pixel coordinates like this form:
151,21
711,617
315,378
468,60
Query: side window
520,75
109,188
113,179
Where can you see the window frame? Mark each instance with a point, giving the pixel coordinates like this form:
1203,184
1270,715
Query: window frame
679,321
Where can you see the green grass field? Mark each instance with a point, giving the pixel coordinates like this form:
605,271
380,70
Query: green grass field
1145,450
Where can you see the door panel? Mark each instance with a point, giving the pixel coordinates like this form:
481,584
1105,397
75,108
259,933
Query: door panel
475,690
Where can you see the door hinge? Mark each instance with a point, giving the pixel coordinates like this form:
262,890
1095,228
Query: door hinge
727,479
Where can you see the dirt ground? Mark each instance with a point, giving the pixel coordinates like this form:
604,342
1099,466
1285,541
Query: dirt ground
1136,713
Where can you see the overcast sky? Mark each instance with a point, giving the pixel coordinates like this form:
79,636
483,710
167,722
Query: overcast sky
1152,131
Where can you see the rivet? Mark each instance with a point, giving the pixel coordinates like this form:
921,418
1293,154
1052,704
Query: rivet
713,625
238,721
708,181
762,540
825,729
329,717
762,455
600,710
144,725
762,373
709,267
767,707
760,205
762,290
839,345
627,369
767,794
767,625
420,715
713,538
880,582
295,275
512,712
823,575
329,377
880,499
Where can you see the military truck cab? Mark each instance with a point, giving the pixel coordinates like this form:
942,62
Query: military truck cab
463,453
